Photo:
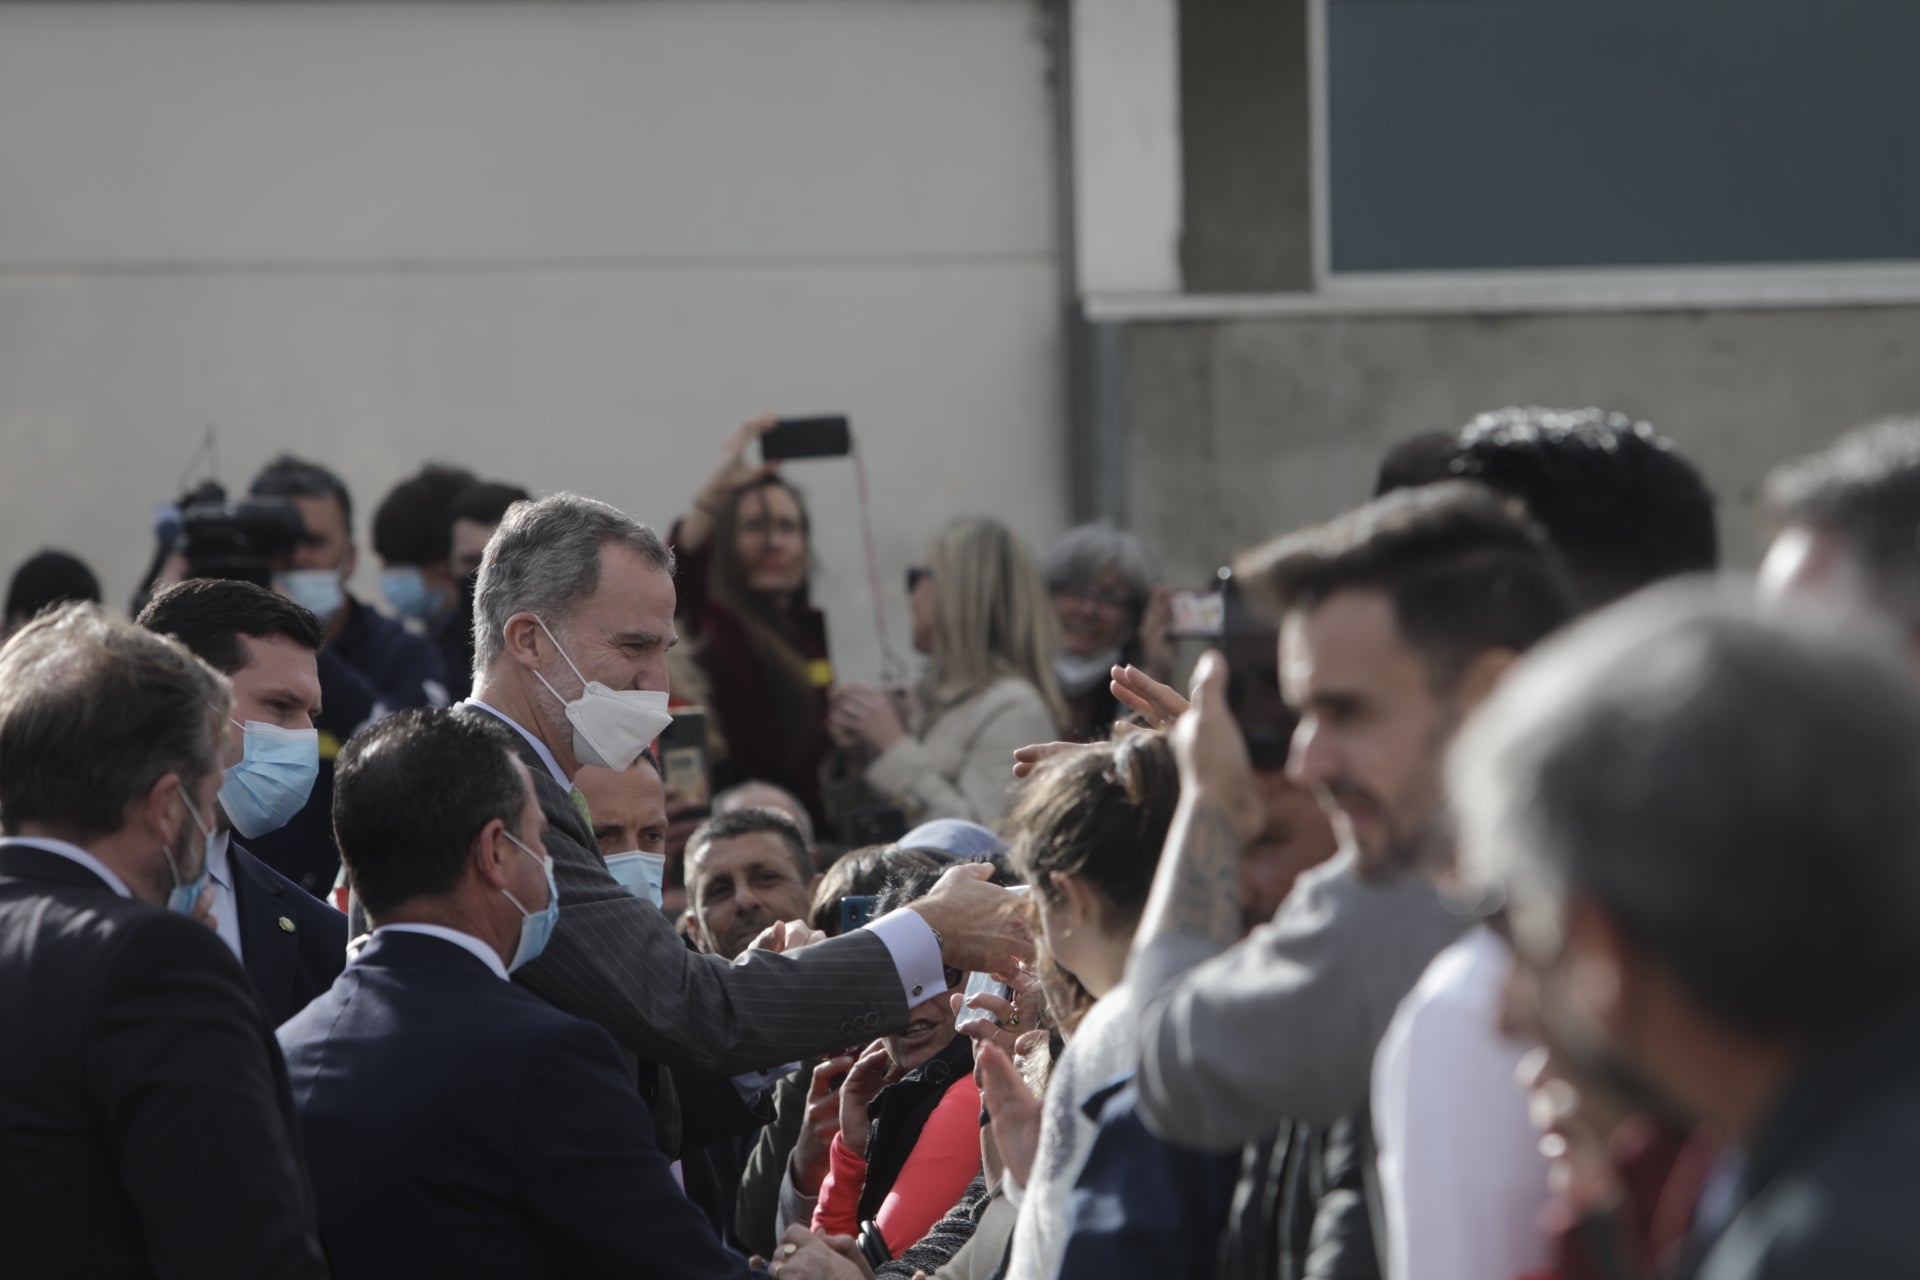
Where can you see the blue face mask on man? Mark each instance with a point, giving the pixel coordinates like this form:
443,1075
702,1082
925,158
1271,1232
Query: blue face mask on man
536,927
405,587
318,591
273,779
187,892
644,875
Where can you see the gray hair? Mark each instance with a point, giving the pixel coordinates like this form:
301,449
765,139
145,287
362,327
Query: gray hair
93,712
1078,556
1735,789
1865,487
545,559
763,795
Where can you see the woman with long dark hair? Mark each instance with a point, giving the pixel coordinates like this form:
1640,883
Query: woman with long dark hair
744,558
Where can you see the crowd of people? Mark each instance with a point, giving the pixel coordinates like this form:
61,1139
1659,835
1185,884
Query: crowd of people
1509,897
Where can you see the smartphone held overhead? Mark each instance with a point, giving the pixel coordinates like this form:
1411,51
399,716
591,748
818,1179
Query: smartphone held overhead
825,436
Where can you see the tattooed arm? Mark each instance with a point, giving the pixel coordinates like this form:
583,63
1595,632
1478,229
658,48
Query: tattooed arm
1197,888
1236,1036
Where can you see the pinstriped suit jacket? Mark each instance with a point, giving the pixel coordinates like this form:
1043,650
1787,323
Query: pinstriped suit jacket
616,959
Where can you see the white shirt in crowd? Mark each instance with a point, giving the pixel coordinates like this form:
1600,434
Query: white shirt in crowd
226,912
1462,1179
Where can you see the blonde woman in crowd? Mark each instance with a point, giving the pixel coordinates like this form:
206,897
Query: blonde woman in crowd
982,615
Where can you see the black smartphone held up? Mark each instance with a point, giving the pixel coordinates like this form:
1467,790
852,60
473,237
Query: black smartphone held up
683,758
822,437
1251,642
856,909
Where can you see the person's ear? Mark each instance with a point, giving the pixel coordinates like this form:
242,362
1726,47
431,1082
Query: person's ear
1482,676
521,640
1083,904
489,853
351,563
159,810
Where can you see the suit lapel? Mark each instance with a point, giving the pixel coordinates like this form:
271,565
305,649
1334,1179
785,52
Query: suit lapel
556,802
271,951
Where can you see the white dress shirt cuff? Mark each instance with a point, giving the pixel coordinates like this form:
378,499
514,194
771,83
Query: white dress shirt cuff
916,954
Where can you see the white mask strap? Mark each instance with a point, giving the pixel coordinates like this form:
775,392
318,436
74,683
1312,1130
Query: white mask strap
564,658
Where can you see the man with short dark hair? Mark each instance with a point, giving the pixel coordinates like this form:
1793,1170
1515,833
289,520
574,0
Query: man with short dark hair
292,944
1844,525
412,535
457,1124
145,1124
1624,508
747,870
1701,828
1619,502
1397,619
475,514
370,665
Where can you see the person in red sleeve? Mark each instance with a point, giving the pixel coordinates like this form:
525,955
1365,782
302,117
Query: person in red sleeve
909,1140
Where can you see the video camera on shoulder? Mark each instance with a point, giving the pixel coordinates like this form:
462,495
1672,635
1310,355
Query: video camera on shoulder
222,538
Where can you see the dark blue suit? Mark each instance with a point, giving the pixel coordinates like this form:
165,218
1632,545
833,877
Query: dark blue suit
458,1125
288,965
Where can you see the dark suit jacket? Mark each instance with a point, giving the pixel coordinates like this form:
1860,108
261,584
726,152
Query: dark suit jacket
1831,1179
459,1126
145,1123
615,959
289,967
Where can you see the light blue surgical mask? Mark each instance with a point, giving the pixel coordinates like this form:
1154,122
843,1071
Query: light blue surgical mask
273,779
405,587
318,591
187,892
644,875
536,927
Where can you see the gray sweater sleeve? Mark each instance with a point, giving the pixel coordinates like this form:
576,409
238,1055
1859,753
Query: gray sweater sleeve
1283,1025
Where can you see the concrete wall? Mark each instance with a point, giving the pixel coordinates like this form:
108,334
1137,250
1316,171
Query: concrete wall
568,244
1233,431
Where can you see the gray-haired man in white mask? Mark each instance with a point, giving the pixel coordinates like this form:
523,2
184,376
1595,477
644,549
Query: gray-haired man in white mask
573,617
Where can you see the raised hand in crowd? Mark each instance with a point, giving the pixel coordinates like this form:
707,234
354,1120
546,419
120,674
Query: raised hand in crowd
696,526
865,718
813,1153
1012,1108
1011,1024
1156,703
785,937
874,1072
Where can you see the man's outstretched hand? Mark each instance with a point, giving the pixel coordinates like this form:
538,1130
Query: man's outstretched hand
982,927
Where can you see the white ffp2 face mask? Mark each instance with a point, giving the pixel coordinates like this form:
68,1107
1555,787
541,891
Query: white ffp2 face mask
611,727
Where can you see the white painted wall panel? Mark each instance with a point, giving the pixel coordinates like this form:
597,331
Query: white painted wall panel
566,244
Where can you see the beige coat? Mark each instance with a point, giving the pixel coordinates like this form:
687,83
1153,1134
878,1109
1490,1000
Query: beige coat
959,764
